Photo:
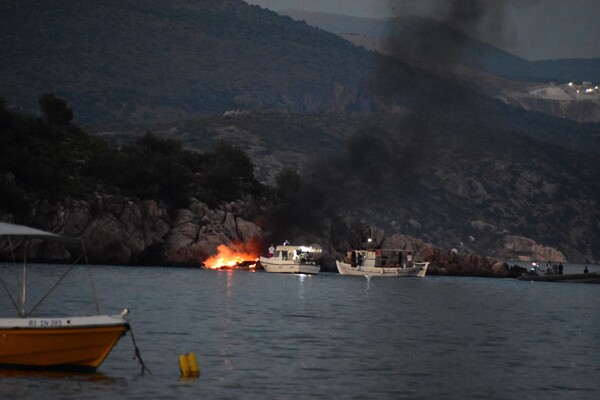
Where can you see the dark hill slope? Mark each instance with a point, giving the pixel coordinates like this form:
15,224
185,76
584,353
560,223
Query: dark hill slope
443,179
418,36
126,62
440,160
121,60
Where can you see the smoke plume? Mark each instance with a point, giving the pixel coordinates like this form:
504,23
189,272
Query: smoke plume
380,166
433,33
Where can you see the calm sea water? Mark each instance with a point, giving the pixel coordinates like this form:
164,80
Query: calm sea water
271,336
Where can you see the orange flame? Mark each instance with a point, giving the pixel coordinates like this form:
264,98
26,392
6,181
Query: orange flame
227,257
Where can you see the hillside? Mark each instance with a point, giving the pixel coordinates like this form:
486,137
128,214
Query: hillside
374,139
435,46
457,183
418,36
119,61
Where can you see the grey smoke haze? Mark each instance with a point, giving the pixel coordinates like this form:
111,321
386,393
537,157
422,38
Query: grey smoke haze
415,39
532,29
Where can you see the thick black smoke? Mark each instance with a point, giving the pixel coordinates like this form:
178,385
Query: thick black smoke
434,33
355,183
381,166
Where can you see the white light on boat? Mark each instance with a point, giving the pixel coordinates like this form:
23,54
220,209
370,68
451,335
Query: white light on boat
308,249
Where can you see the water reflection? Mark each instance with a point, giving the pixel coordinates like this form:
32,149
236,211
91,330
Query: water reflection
255,339
302,278
368,287
49,374
229,283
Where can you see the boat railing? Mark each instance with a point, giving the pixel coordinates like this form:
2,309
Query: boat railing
304,259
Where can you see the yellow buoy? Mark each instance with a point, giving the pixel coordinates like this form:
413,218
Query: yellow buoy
194,369
184,367
188,365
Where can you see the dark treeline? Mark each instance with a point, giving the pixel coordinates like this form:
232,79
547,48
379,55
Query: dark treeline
49,157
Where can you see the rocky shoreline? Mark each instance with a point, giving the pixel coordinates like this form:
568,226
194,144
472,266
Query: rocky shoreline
117,231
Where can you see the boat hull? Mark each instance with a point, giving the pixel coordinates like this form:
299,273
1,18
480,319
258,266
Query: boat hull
591,277
417,270
288,267
65,344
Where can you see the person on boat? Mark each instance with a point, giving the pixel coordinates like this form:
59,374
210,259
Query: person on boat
409,259
400,259
295,256
271,251
586,270
353,259
560,268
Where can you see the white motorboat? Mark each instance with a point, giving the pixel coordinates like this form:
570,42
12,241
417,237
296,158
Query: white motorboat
380,263
292,260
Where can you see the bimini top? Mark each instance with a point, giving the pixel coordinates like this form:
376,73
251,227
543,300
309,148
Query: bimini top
7,229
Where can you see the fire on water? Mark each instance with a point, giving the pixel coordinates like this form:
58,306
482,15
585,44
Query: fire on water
242,255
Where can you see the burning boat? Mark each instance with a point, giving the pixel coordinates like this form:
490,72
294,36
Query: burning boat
240,257
292,260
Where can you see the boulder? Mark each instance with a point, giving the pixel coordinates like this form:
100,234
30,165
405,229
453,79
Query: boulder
525,249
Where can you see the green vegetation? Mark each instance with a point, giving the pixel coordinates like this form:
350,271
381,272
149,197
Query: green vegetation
51,158
127,62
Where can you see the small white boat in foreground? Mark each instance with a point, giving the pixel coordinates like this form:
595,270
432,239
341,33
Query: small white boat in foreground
377,263
292,260
78,343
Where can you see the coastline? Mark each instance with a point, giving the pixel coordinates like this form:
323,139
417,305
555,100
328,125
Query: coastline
569,268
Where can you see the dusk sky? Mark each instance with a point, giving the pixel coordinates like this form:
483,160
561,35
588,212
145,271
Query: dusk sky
532,29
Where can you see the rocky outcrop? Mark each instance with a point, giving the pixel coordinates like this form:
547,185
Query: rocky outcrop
122,232
118,231
115,230
577,102
581,111
448,262
525,249
196,232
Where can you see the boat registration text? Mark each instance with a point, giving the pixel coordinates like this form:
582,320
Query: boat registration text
44,323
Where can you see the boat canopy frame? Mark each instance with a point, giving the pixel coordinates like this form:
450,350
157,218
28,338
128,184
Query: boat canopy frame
27,234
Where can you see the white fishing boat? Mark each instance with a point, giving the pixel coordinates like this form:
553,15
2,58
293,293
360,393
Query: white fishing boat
60,342
292,260
380,263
